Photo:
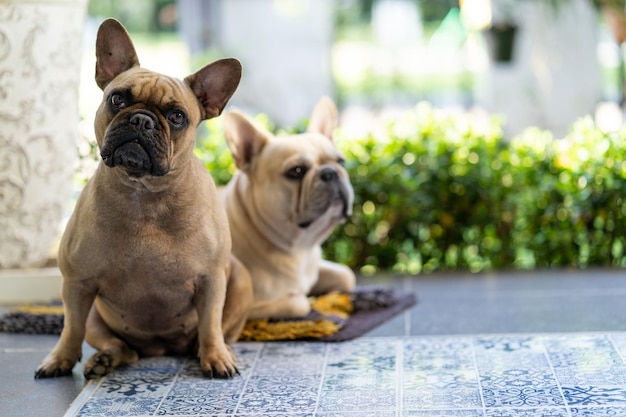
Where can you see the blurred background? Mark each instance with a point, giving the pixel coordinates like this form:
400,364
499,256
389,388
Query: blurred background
538,63
478,134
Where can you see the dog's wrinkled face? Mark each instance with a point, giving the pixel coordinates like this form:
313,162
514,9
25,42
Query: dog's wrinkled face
297,186
146,119
303,177
142,131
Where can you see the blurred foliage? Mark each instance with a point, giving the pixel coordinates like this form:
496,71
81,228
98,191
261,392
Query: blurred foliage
620,4
442,191
350,12
138,15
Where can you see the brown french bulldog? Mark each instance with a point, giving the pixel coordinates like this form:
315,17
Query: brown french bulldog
286,198
146,256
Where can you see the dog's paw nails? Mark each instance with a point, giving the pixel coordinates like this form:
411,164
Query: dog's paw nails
54,366
219,363
233,372
42,373
220,370
221,374
100,364
95,372
227,373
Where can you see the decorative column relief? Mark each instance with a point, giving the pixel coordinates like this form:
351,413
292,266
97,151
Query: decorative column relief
40,59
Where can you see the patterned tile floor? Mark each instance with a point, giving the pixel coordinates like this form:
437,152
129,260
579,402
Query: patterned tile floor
536,343
493,375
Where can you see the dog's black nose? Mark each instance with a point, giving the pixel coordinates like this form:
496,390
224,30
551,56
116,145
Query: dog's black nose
328,174
142,122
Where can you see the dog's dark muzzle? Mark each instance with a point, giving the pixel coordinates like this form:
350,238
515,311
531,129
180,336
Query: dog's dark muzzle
341,189
334,191
137,145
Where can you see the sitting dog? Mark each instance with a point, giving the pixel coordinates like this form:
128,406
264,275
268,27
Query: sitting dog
146,256
287,196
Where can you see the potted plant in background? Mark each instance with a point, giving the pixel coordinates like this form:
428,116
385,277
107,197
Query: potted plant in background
502,28
501,40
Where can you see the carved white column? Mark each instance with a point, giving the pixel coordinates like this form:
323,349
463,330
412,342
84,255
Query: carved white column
40,58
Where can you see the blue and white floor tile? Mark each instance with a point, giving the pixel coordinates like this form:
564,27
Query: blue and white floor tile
576,374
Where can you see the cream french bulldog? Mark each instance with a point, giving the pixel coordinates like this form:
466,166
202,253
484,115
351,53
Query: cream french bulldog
287,196
146,256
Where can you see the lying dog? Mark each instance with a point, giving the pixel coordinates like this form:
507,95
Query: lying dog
286,198
146,256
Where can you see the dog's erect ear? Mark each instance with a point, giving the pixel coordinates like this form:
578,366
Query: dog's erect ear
324,118
115,52
215,84
243,137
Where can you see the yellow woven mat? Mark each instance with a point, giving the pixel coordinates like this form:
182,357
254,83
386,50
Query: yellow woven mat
335,305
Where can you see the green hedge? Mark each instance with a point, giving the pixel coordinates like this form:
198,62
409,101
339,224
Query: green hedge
440,191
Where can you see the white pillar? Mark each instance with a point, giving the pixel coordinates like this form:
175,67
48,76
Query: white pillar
40,58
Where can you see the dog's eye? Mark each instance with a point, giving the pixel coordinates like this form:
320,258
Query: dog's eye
341,161
296,173
177,118
118,101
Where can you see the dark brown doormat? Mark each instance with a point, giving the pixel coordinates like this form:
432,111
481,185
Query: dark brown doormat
334,317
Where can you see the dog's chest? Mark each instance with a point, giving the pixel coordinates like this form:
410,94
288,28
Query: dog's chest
148,299
150,267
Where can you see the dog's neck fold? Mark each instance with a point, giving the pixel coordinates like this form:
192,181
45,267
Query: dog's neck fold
148,183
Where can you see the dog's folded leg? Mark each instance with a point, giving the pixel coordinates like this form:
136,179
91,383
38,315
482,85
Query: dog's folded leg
216,358
238,301
333,277
112,351
289,307
77,298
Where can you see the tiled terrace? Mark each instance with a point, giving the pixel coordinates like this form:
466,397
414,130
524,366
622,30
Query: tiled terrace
542,343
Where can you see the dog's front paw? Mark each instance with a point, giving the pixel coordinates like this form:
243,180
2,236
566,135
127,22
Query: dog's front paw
103,362
100,364
219,363
55,365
